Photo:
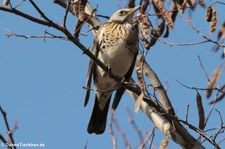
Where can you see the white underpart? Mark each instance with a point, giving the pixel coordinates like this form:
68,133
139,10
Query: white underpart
119,59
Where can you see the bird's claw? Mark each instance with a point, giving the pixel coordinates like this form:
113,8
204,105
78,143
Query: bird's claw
107,71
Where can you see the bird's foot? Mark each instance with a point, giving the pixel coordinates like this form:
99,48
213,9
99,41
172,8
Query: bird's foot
107,71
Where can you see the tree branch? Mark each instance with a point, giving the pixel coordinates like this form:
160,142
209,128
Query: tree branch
173,129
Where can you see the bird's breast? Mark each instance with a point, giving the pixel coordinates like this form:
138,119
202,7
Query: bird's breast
117,45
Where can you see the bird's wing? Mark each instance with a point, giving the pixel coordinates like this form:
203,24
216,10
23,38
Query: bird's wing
91,66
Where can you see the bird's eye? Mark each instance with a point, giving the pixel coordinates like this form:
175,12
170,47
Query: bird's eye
122,12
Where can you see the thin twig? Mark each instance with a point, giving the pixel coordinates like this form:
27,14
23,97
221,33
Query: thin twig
198,32
7,127
182,44
85,145
198,88
221,130
217,2
103,16
151,142
203,68
111,130
19,4
221,141
66,13
210,112
3,139
198,131
123,135
39,11
11,34
138,131
148,137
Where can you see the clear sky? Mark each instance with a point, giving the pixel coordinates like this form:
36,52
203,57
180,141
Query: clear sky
41,80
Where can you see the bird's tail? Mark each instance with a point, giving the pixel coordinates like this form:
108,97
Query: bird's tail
97,123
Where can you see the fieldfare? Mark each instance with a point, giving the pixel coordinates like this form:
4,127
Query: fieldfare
116,45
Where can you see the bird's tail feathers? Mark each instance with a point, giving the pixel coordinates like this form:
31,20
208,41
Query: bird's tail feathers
97,123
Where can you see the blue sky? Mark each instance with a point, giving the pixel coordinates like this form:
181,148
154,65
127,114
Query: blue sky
41,81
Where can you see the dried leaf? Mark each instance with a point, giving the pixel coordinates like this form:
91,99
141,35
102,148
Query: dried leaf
180,2
144,6
208,15
223,55
215,48
213,21
220,38
78,28
190,4
79,9
138,102
145,27
5,3
213,81
201,112
165,13
164,143
156,11
202,3
160,29
155,34
139,71
220,97
154,38
221,33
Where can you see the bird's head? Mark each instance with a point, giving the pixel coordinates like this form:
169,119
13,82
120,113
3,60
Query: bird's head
124,15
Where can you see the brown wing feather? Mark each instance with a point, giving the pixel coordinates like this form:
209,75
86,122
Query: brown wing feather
92,64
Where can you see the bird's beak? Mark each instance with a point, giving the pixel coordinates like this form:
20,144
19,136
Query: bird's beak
133,10
129,16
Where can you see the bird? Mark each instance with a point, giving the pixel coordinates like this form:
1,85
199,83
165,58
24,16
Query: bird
116,45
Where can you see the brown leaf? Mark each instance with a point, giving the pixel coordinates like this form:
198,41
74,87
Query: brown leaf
139,71
223,55
138,102
164,143
144,6
220,97
145,27
160,29
190,4
213,81
213,21
156,11
79,9
155,34
208,15
221,33
5,3
165,13
201,112
202,3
